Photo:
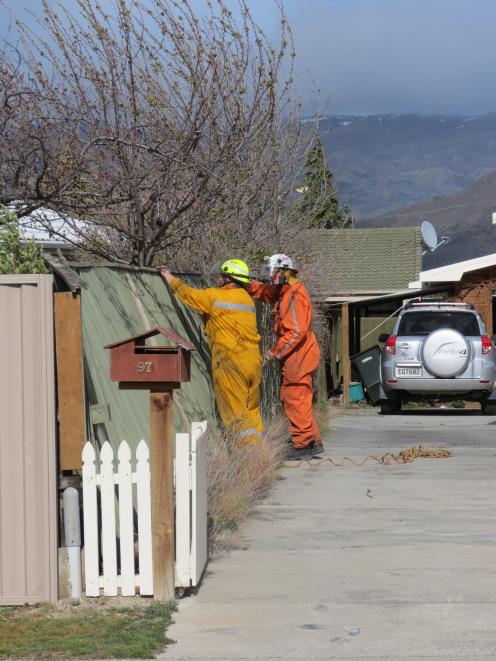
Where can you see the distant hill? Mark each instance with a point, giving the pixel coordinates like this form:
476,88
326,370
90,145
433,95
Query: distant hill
465,216
384,162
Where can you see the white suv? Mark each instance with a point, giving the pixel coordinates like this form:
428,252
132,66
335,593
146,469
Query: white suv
438,351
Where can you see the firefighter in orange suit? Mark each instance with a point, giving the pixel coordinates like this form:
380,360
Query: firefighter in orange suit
296,348
231,329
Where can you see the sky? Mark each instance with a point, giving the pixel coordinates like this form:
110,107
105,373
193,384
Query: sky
385,56
377,56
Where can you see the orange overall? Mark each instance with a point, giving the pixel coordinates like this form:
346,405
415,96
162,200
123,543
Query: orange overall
299,354
231,330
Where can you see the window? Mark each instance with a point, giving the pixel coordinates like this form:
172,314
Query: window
423,323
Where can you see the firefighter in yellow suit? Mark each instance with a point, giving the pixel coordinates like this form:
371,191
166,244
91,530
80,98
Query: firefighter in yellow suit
230,326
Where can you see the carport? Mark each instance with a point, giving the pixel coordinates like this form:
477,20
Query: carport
357,335
362,273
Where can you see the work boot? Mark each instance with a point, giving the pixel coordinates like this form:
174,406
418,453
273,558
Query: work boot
318,448
300,454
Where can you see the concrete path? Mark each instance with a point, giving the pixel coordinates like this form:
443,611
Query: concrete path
378,562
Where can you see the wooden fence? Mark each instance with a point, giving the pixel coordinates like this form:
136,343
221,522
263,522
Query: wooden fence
117,533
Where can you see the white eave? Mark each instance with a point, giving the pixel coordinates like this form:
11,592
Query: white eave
377,298
47,227
358,295
454,272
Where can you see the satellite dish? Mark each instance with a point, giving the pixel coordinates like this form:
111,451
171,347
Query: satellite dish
429,235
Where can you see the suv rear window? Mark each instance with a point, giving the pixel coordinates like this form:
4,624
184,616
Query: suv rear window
423,323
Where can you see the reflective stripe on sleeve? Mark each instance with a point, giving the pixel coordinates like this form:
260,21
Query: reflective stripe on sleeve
240,307
293,339
247,432
250,432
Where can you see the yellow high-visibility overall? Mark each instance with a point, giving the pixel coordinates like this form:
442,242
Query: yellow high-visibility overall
231,329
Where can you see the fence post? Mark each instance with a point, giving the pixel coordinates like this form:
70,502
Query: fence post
126,526
90,522
144,519
162,472
109,538
183,510
199,546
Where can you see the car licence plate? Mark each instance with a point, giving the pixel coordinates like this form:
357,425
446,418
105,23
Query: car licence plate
408,371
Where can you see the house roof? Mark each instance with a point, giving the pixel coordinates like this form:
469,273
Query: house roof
367,261
48,228
455,272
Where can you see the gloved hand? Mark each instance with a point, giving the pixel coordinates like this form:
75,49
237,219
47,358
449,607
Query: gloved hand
166,274
268,355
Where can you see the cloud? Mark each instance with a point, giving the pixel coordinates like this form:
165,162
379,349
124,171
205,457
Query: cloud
398,55
378,56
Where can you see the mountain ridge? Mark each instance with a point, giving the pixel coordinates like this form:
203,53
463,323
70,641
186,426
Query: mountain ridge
384,162
466,217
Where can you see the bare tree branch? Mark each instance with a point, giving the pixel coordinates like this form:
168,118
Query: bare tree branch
167,134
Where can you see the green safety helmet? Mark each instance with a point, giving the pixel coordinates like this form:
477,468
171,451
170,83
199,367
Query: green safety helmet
236,269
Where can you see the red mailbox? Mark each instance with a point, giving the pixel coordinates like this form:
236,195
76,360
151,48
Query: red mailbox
133,361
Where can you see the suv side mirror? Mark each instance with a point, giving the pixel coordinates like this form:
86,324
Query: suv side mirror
383,338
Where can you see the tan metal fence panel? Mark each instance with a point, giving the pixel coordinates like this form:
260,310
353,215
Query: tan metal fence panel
28,489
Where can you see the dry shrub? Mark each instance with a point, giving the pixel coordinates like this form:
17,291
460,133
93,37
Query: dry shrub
239,476
323,416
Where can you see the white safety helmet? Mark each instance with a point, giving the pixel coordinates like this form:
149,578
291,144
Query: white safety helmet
275,263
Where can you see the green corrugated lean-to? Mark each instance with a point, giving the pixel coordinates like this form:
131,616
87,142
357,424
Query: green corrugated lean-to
117,303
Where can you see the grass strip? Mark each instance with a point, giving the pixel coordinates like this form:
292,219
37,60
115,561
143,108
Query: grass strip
51,632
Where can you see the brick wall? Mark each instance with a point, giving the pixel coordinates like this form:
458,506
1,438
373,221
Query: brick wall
477,289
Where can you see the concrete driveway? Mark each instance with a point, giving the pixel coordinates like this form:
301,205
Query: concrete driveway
378,562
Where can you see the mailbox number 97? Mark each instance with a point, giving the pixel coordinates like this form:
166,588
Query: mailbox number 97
144,367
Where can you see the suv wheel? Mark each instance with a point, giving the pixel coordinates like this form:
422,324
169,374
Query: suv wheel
389,407
489,408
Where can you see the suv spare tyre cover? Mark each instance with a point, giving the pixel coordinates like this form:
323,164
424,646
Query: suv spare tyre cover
445,353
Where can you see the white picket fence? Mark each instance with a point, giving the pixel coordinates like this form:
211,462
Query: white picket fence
104,512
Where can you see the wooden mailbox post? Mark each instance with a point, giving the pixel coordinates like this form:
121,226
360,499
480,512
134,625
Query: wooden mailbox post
159,369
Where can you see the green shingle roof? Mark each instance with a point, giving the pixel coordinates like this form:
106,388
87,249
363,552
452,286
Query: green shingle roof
367,260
